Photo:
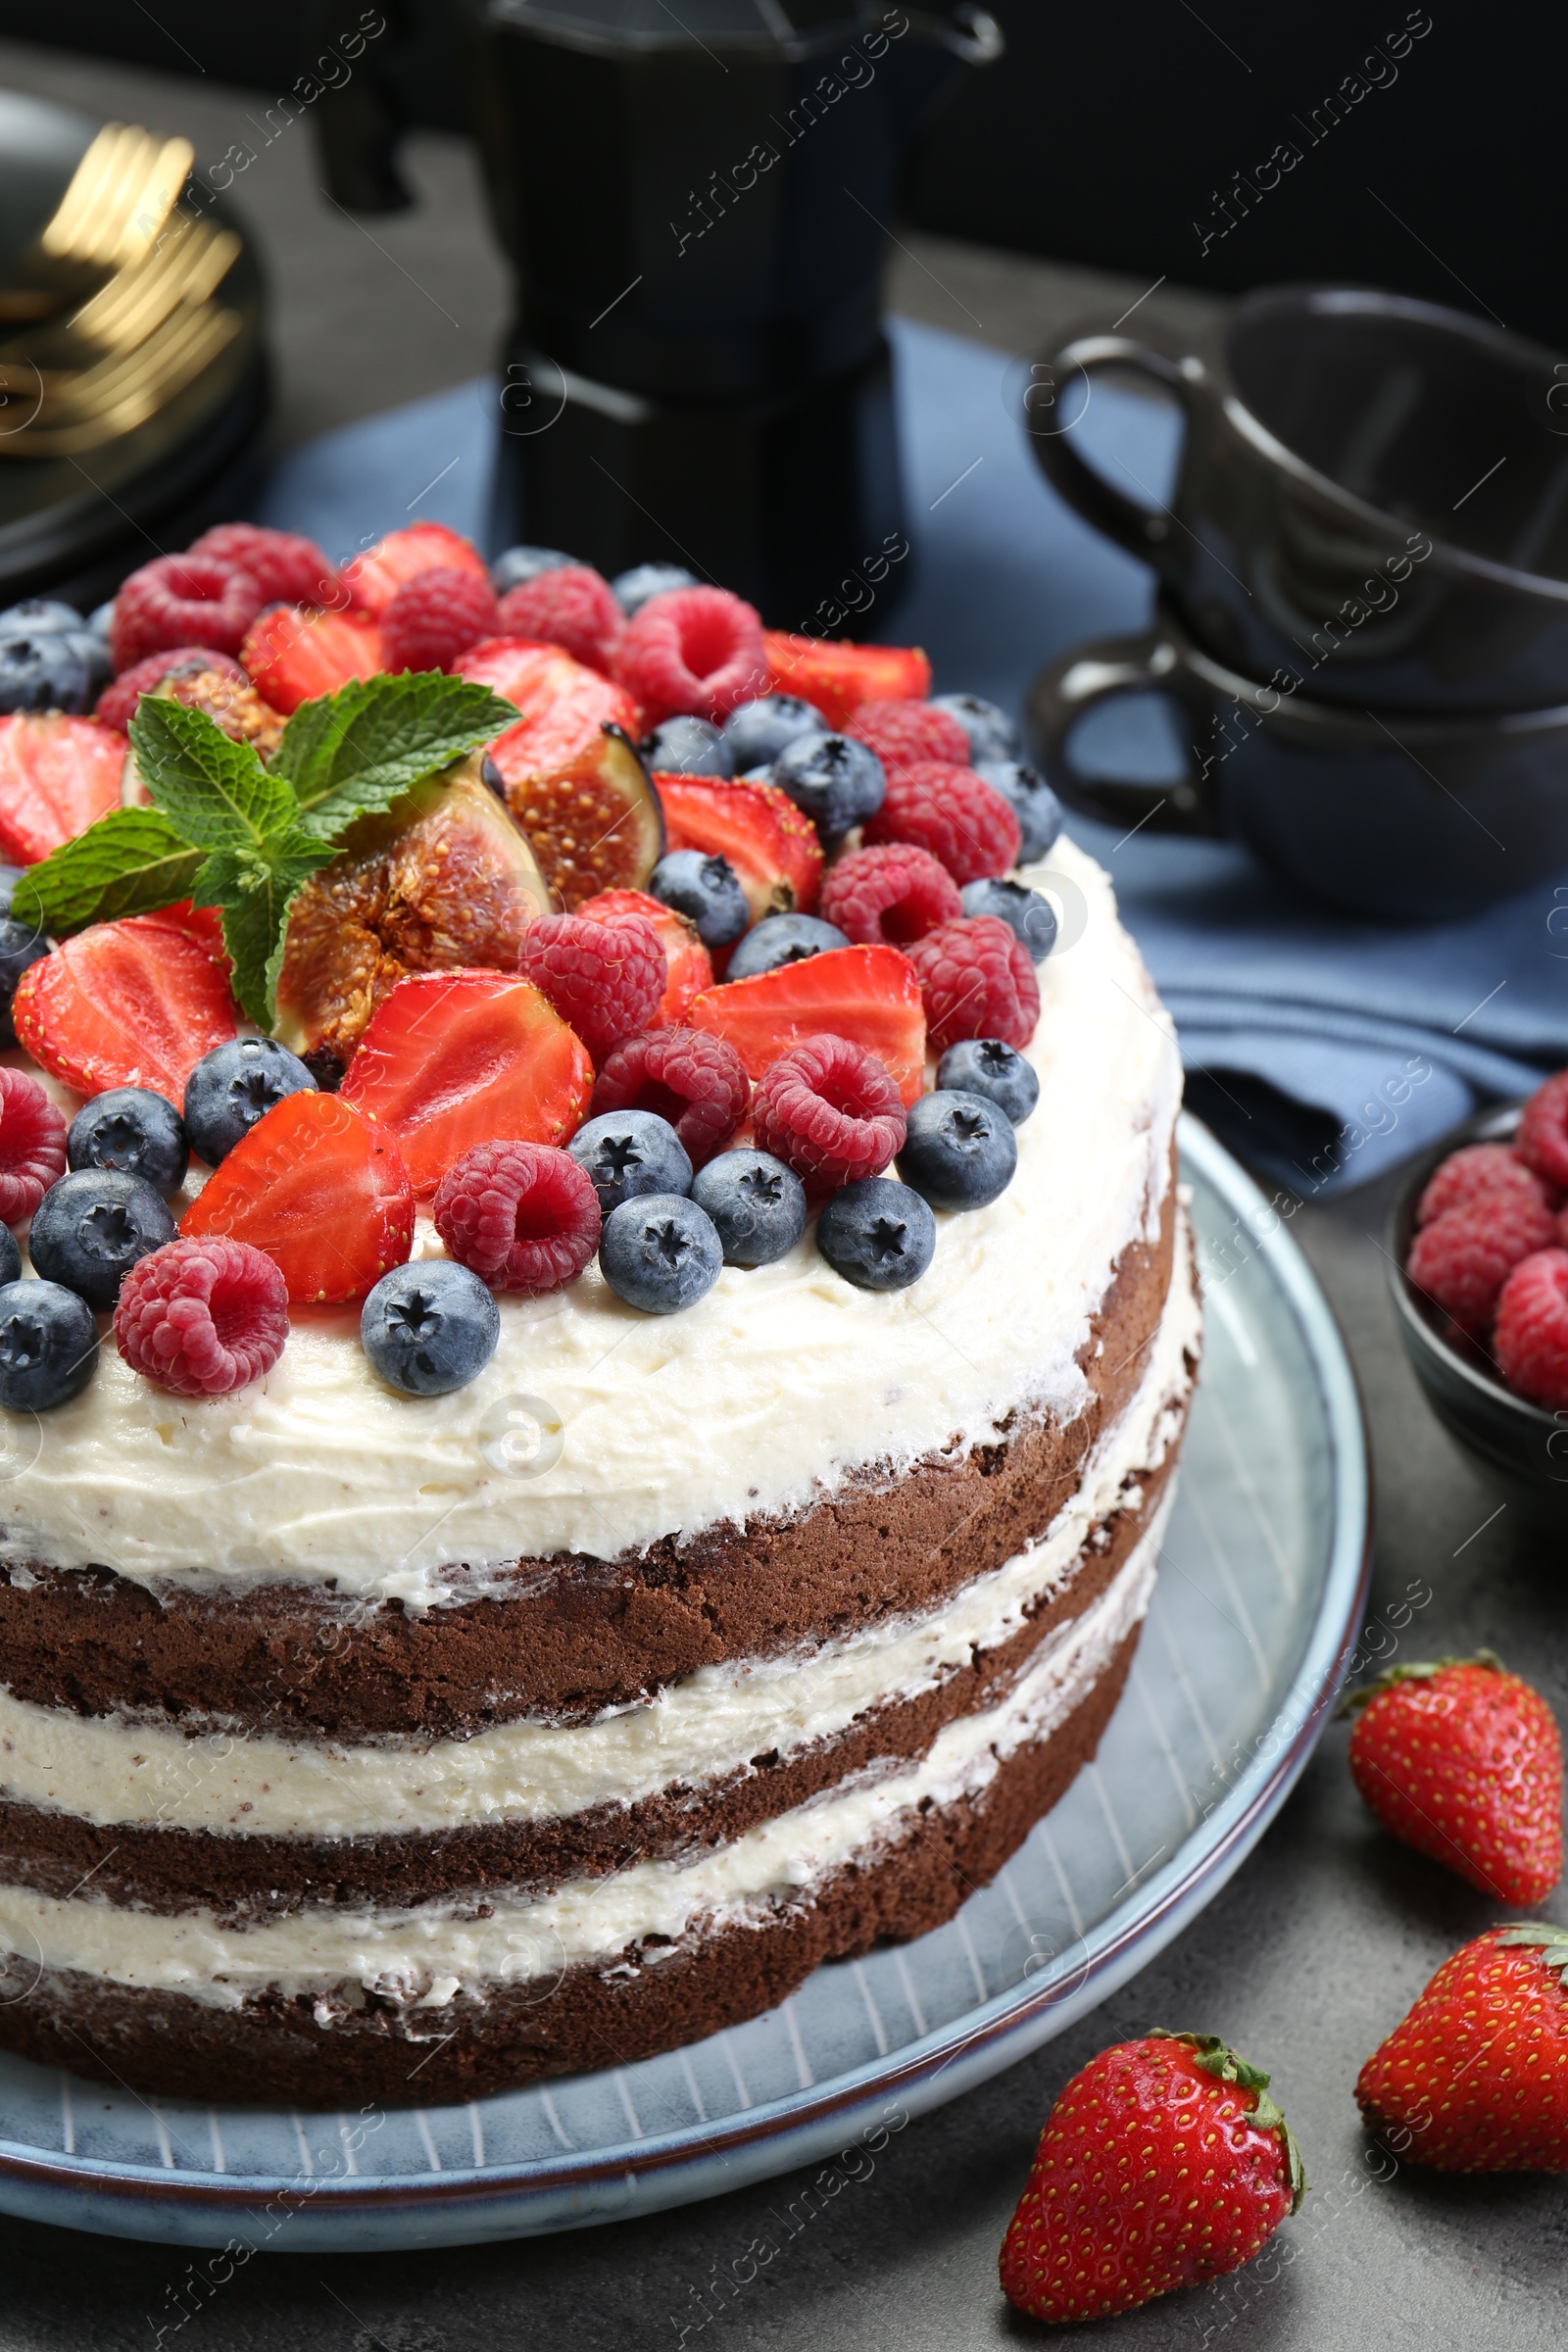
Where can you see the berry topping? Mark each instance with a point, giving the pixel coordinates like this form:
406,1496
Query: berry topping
202,1317
688,966
293,656
48,1346
836,782
660,1253
231,1088
976,980
9,1256
318,1187
990,732
632,589
429,1327
32,1145
522,1216
92,1227
135,1003
569,606
693,649
1031,801
133,1130
373,579
885,897
952,812
1541,1140
117,704
1531,1338
830,1111
45,673
757,732
1477,1174
182,599
839,677
868,995
782,938
757,829
878,1235
696,1082
287,568
904,733
687,747
1462,1259
984,1065
19,948
57,776
1028,916
604,978
706,891
627,1154
230,703
959,1152
757,1203
519,564
434,618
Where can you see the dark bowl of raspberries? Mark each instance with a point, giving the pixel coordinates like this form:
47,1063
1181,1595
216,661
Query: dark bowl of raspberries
1478,1244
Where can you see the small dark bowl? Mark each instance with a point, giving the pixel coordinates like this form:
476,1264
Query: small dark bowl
1520,1448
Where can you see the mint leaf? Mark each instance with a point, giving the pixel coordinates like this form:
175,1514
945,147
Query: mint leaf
215,792
358,750
131,861
253,890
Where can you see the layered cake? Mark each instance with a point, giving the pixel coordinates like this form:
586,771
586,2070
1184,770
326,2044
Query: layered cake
366,1734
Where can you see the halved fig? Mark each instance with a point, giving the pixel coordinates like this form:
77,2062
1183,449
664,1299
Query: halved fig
444,880
229,700
569,770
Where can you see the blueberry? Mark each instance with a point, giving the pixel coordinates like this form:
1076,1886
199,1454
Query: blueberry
48,1346
630,1152
757,732
231,1088
660,1253
837,782
430,1327
93,650
959,1152
9,1256
633,588
1030,918
757,1203
101,620
42,673
705,890
782,938
984,1065
40,617
1031,801
688,747
521,564
991,732
92,1227
133,1130
879,1235
20,947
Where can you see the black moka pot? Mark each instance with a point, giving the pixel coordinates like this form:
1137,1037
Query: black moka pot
695,201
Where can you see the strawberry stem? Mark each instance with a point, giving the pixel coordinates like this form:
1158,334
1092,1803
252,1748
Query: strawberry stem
1226,2065
1422,1672
1551,1940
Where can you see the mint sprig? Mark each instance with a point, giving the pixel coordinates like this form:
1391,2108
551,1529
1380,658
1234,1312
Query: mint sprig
228,830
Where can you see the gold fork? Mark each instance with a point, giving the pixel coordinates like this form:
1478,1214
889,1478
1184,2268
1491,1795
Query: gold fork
187,265
126,389
120,194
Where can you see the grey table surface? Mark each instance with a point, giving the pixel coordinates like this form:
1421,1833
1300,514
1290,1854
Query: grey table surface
1304,1960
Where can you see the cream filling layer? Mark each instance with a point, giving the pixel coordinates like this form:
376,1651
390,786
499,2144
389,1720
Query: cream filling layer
425,1955
704,1728
597,1430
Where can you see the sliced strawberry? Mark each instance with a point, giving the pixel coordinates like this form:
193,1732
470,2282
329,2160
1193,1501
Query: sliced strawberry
450,1059
136,1002
320,1190
838,678
774,850
868,995
688,966
292,654
203,923
373,579
58,776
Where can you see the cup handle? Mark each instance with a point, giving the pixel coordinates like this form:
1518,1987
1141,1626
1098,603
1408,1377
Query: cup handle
1141,530
1101,673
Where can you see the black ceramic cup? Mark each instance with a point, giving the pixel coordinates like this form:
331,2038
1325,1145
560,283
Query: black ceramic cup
1396,815
1372,495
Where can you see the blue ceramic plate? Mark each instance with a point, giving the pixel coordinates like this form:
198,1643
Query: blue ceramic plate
1260,1593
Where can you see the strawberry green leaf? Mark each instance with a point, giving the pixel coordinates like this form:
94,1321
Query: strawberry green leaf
253,890
215,792
356,752
131,861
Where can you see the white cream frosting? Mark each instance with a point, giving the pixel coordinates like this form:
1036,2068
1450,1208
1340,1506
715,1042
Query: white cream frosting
699,1730
759,1399
424,1955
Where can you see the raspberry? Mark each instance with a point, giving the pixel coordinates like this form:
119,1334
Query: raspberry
902,734
696,1082
1541,1140
570,607
977,981
202,1317
693,649
522,1216
182,599
830,1111
1531,1338
956,814
603,979
435,617
1481,1172
886,897
1462,1259
117,704
287,568
32,1145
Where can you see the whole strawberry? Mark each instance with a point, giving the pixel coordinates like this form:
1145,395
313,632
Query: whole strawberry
1463,1762
1162,2163
1475,2079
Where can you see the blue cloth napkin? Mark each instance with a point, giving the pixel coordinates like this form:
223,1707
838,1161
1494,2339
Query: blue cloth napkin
1325,1047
